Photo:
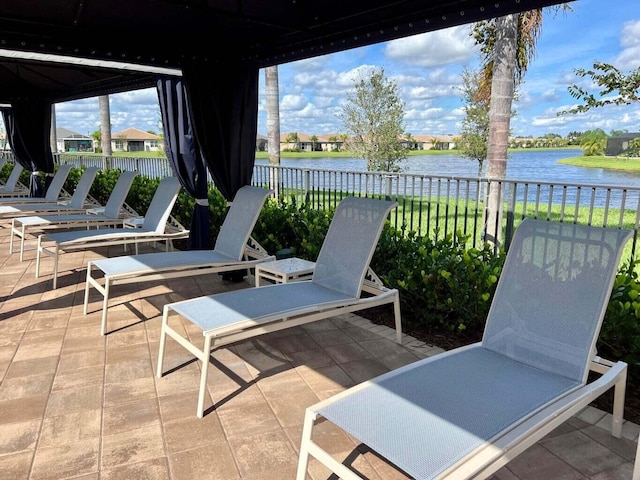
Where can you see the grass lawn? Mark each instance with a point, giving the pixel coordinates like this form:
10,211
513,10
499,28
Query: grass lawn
612,163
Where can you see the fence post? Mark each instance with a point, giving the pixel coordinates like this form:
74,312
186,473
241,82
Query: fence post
307,183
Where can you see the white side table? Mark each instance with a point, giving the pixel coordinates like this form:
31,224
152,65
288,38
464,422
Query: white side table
285,270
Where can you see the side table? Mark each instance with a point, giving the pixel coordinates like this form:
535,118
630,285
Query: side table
285,270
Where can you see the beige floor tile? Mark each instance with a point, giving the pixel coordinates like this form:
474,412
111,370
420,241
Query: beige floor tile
264,455
132,446
53,463
71,428
130,416
21,409
73,400
16,466
18,387
193,432
154,469
18,436
204,464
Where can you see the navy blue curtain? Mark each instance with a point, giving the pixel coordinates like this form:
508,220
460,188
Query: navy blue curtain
223,101
28,124
183,153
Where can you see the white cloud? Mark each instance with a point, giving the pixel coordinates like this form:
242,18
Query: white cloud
441,47
629,58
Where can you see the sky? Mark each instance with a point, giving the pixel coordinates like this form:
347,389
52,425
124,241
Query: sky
427,71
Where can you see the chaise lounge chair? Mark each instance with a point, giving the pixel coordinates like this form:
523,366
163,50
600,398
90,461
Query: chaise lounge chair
53,192
109,215
335,288
467,412
75,204
234,250
152,229
11,187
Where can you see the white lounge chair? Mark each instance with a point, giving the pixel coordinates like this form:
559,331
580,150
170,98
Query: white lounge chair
152,229
109,215
467,412
53,192
11,187
75,204
234,250
335,288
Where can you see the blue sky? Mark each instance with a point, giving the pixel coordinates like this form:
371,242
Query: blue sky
426,69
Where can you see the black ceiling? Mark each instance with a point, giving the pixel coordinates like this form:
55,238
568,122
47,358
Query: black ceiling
162,33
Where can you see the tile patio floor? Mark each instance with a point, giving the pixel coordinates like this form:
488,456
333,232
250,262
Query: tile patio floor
75,404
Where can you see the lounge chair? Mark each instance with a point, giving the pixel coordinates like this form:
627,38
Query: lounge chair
75,204
335,288
109,215
467,412
11,187
152,229
53,192
234,250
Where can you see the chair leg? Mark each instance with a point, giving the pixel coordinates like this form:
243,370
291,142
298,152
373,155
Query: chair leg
396,312
105,304
618,404
22,243
11,238
303,458
55,268
86,289
203,374
38,254
163,341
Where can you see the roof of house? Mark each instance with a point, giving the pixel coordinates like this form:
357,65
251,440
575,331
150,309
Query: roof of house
62,133
134,134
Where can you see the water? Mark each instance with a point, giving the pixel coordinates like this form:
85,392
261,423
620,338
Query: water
539,166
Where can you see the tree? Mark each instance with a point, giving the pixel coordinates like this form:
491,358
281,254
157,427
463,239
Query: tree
272,92
593,142
105,125
624,87
507,46
292,137
374,116
314,141
472,143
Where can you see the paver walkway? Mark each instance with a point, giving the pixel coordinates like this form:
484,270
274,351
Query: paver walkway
75,404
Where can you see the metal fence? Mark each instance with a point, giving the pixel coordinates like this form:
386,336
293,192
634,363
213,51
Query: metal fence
433,205
438,206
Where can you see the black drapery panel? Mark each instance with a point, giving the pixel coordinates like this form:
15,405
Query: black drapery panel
28,125
223,100
184,155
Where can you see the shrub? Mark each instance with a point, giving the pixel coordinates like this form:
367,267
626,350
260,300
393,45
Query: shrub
442,283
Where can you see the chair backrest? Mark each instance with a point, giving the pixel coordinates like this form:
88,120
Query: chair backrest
82,188
349,244
240,220
14,176
119,194
55,187
161,204
552,295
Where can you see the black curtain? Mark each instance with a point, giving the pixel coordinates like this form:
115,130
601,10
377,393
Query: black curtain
183,153
28,124
223,100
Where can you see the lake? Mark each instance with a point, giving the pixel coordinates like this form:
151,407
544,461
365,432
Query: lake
522,165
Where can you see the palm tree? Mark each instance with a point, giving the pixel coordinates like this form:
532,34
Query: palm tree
502,90
508,46
105,126
272,91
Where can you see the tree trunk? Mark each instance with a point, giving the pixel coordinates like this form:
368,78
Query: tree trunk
502,90
273,122
105,126
53,137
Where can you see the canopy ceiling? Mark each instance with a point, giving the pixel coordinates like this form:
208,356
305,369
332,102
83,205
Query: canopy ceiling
163,33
